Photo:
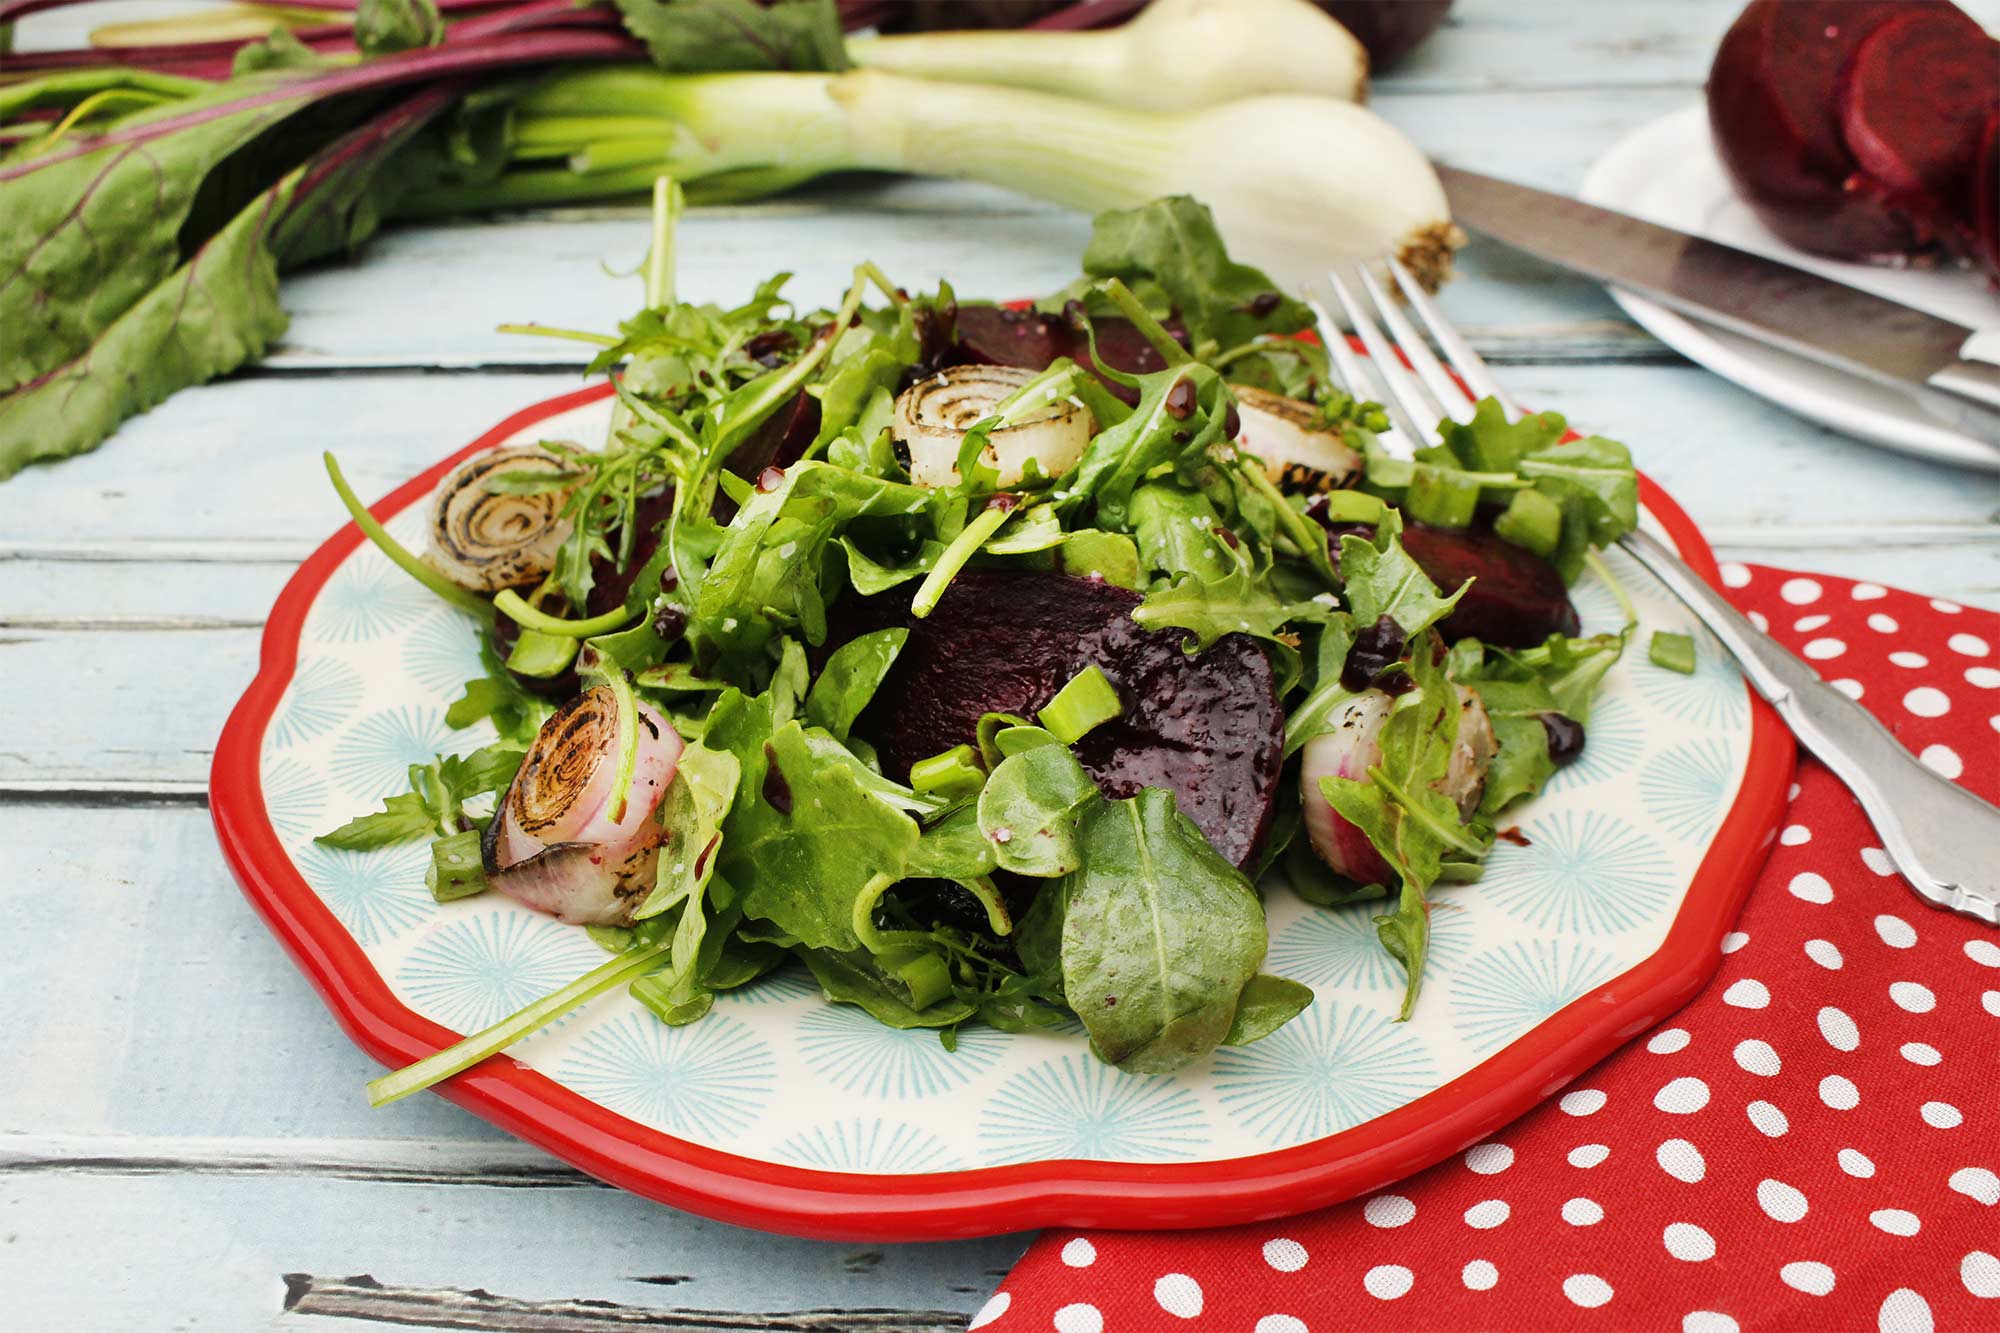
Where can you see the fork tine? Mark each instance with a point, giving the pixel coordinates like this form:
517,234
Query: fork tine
1463,359
1345,364
1453,401
1406,404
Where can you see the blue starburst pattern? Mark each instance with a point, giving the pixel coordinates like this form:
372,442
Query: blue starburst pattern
294,796
1078,1107
1582,872
319,698
787,981
1712,697
1337,946
1687,788
705,1081
1597,608
366,599
1611,745
879,1147
1500,995
373,760
1327,1070
442,652
376,895
471,973
850,1050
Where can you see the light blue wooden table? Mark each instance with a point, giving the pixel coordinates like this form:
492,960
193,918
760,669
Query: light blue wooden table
183,1137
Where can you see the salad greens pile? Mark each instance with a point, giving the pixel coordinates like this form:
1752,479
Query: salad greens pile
998,884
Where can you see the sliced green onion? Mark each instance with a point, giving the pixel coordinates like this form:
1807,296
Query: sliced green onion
956,772
1532,521
927,977
1088,701
628,741
1111,556
1441,496
463,598
543,656
1353,507
527,617
1674,652
1134,309
953,558
456,869
987,734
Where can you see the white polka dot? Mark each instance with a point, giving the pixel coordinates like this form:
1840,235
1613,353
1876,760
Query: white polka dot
1280,1323
1285,1255
1942,1115
1983,678
1582,1102
1761,621
1757,1057
1807,624
1669,1040
1780,1202
1983,952
1768,1119
1386,1282
1734,940
1882,623
1855,1163
1388,1210
1810,887
1848,686
1877,861
1814,1279
1971,645
1825,953
1079,1253
1824,650
1683,1096
1587,1155
1895,932
1839,1092
1488,1159
996,1305
1904,1312
1582,1212
1942,760
1179,1295
1976,1182
1079,1318
1927,702
1868,592
1838,1029
1733,574
1685,1240
1708,1321
1921,1053
1905,658
1681,1160
1990,1002
1799,591
1486,1215
1912,996
1949,608
1747,994
1980,1272
1479,1275
1587,1290
1896,1221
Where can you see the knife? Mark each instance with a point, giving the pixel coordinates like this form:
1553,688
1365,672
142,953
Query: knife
1800,312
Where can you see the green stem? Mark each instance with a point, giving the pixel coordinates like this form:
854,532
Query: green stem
1142,319
547,331
963,547
1603,571
668,202
527,617
628,739
469,1051
462,598
1306,534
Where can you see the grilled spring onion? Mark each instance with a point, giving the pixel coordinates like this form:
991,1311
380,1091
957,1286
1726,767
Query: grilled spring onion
934,414
486,539
1300,455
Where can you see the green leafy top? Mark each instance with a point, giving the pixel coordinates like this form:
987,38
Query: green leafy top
704,36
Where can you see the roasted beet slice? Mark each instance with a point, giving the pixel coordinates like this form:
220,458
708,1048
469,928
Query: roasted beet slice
1985,221
1208,728
1001,336
1517,600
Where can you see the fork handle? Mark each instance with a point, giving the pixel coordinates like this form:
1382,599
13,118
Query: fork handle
1944,839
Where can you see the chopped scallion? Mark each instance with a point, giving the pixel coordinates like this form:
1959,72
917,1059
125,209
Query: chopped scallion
956,772
1086,702
1675,652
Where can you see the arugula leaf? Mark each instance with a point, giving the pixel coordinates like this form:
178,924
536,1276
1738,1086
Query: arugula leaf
1160,936
1032,809
1522,766
1570,669
852,674
1406,934
1266,1004
435,804
854,978
1382,580
699,36
692,811
1120,457
1592,476
1491,443
1236,604
1178,532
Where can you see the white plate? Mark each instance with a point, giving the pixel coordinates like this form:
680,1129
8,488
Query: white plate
1667,172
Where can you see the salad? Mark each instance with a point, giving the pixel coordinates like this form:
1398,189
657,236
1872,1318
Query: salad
992,662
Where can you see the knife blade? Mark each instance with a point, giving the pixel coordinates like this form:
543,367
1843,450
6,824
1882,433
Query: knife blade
1772,302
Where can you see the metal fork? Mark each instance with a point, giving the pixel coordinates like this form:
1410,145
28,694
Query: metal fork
1944,840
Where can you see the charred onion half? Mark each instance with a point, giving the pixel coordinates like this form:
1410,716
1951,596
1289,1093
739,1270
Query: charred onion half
1300,455
486,539
934,414
558,841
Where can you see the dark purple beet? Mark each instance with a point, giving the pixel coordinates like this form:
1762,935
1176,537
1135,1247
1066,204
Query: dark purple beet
999,336
1518,599
1208,728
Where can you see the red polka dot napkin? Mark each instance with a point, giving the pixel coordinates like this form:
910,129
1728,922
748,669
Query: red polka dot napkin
1812,1144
